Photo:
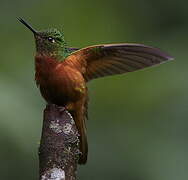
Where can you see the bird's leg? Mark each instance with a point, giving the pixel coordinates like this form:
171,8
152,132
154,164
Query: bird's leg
62,108
69,106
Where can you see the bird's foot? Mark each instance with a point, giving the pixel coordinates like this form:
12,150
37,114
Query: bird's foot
61,108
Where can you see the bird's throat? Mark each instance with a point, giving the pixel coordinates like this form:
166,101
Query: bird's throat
58,54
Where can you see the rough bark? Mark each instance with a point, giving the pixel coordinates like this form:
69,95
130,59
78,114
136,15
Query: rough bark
59,145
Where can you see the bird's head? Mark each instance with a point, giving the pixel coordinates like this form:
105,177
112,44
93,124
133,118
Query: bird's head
49,42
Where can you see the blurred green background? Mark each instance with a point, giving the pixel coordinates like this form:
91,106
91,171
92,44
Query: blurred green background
138,122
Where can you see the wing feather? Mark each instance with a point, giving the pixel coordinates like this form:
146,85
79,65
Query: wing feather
104,60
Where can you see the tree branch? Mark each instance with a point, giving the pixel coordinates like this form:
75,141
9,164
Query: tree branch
59,145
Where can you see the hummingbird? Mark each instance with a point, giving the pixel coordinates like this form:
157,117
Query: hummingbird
62,73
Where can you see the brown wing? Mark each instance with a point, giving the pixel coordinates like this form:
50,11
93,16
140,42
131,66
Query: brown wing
104,60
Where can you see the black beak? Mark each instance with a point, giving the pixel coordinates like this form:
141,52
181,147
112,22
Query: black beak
28,26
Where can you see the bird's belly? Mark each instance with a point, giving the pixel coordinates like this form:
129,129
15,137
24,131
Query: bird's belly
62,87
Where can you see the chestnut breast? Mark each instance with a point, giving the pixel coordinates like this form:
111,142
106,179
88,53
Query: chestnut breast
59,83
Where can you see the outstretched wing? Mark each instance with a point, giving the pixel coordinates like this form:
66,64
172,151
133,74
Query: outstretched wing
104,60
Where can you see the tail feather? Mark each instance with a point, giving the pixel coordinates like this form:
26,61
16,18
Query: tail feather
83,148
80,116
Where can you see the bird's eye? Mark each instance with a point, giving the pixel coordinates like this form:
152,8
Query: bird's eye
52,40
